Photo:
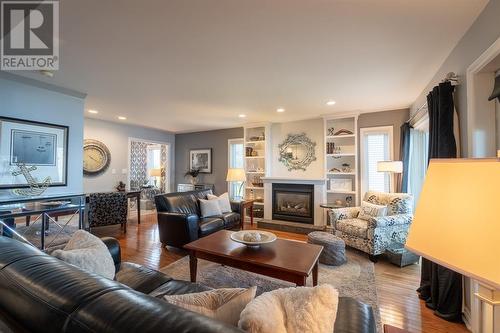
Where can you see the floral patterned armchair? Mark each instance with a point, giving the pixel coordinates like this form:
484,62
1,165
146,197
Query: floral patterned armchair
375,235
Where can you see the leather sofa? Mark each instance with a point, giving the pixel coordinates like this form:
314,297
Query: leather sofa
40,293
180,221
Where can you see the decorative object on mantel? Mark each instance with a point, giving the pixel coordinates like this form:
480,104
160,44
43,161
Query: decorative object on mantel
40,147
193,173
120,187
35,188
201,159
348,201
343,131
96,157
297,152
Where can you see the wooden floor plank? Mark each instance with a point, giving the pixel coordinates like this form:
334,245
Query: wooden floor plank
396,287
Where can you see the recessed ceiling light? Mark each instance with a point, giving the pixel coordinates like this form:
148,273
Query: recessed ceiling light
280,110
330,102
122,118
242,115
93,111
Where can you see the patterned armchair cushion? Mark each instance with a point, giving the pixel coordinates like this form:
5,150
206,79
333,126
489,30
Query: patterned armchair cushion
353,227
397,203
389,221
343,213
107,208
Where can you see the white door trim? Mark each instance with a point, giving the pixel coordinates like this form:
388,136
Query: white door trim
170,160
478,106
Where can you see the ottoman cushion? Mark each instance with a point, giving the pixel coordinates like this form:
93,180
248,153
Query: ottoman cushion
333,247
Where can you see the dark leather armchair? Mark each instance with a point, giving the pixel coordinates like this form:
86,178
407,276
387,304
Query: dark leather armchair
180,221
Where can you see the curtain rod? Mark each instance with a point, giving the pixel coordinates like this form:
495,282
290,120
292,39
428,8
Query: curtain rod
451,77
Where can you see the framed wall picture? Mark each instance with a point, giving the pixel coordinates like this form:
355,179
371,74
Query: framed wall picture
201,159
41,147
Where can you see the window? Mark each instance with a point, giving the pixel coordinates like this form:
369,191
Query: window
376,145
235,160
419,152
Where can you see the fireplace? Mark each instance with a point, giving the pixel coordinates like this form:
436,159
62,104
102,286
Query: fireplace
293,202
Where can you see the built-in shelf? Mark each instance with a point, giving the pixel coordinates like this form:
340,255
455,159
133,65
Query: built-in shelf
347,148
341,155
258,203
257,172
341,191
254,188
250,142
255,157
340,136
342,173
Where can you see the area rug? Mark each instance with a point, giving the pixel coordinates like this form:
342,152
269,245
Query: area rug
354,279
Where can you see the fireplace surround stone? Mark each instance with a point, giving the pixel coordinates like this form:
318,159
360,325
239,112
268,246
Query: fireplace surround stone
319,193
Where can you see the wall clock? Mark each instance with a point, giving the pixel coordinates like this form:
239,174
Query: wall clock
96,157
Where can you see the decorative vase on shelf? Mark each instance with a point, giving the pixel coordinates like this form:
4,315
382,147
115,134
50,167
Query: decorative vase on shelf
194,180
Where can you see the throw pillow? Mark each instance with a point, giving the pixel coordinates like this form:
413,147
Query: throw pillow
210,208
222,304
292,310
224,203
87,252
369,210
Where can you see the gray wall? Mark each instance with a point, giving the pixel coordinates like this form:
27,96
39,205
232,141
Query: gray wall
217,140
33,100
116,136
394,118
483,32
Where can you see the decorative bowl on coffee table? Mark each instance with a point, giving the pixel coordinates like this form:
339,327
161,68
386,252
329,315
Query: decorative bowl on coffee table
253,238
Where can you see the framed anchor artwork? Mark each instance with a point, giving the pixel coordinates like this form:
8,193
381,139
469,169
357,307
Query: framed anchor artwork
33,155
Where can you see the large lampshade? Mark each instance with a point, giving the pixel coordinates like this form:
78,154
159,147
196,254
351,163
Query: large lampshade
236,175
155,172
390,166
457,220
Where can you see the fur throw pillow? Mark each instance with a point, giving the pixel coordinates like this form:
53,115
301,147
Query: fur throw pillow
223,304
88,252
292,310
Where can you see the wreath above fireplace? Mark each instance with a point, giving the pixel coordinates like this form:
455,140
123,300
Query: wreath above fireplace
297,152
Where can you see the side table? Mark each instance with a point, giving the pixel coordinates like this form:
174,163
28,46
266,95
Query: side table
244,205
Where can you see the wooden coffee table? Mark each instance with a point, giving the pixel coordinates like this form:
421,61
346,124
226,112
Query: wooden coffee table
282,259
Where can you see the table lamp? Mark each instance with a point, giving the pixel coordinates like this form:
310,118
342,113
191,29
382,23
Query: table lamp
155,173
392,167
457,225
237,175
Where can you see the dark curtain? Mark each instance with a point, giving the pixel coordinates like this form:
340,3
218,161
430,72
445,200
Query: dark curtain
405,155
440,287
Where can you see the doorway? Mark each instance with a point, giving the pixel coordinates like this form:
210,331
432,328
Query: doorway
149,170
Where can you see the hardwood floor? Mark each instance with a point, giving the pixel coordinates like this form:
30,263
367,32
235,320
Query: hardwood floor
398,301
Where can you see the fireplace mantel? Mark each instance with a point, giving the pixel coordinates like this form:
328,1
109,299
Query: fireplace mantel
319,195
291,180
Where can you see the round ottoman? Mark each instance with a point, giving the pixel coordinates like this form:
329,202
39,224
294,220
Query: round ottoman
333,247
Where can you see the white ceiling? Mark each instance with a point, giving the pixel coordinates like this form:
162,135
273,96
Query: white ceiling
186,65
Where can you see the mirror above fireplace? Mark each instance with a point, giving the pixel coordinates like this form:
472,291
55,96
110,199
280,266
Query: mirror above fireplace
297,152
